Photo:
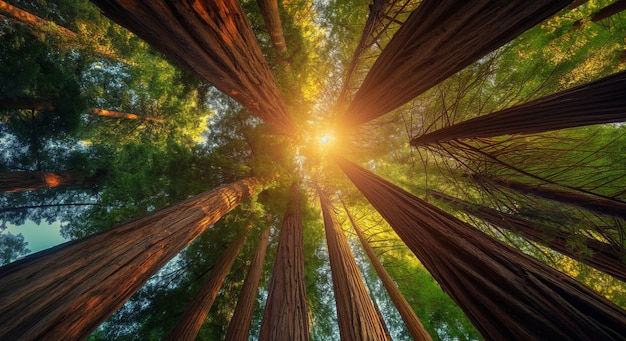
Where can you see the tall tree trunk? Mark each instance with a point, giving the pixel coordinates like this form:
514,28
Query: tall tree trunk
357,317
411,321
190,323
226,54
40,24
506,294
598,102
65,292
239,326
285,317
609,10
597,204
437,40
604,256
271,18
125,115
28,181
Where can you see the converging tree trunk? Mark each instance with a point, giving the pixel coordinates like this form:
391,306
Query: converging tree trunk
411,321
190,323
28,181
609,10
357,316
286,317
597,204
213,39
506,294
598,102
604,257
65,292
437,40
271,18
239,326
124,115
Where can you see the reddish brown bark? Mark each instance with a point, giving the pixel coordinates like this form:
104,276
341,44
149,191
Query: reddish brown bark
28,181
285,317
125,115
226,54
239,326
437,40
357,316
271,18
505,293
64,293
597,204
190,323
598,102
411,321
604,256
609,10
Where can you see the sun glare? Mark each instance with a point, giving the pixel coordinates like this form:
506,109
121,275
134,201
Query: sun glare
326,138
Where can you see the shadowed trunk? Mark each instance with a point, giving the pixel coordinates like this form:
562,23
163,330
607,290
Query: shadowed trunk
65,292
271,18
609,10
439,39
28,181
190,323
597,204
411,321
357,317
604,256
506,294
286,317
226,54
239,326
598,102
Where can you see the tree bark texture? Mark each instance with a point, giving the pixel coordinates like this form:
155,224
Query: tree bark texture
411,321
597,204
271,18
190,323
440,38
506,294
28,181
239,326
285,317
65,292
124,115
604,257
598,102
213,39
357,316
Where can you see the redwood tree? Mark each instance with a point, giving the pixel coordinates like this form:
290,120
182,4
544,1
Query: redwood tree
357,316
190,323
213,39
437,40
65,292
286,317
239,326
271,18
411,321
27,181
505,293
598,102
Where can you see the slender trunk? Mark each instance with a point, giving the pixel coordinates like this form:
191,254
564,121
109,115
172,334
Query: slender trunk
65,292
598,102
285,317
190,323
597,204
125,115
425,50
506,294
271,18
411,321
37,23
604,256
610,10
226,54
356,314
28,181
239,326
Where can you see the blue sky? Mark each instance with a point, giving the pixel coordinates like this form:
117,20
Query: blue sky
39,237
